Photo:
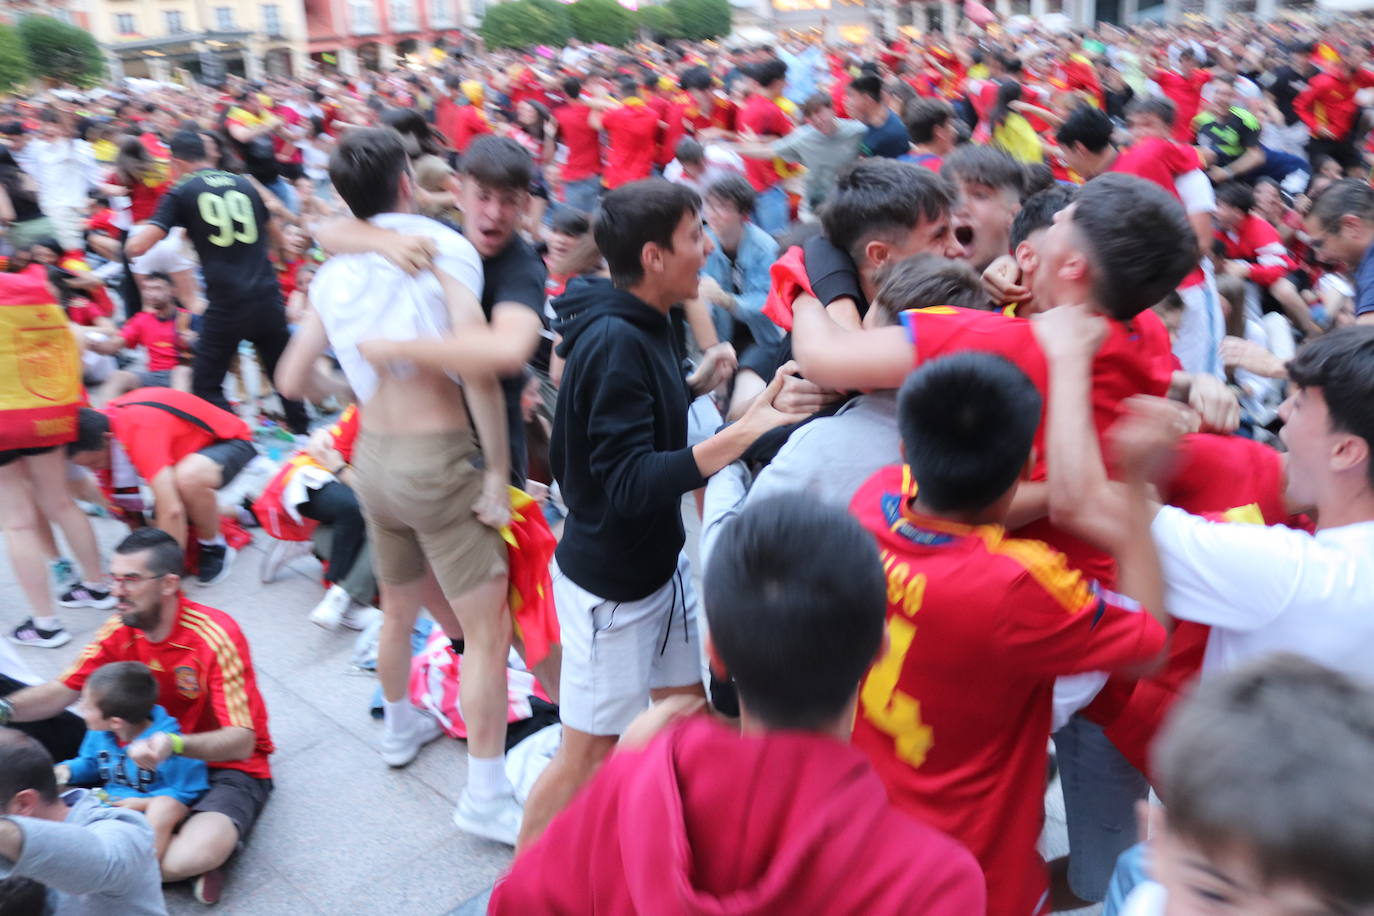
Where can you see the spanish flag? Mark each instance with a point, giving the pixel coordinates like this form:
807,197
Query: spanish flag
531,544
40,365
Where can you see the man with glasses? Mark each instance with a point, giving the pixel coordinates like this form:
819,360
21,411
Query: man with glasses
205,680
1341,227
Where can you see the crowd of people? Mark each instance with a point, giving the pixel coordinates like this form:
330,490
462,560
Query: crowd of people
1020,383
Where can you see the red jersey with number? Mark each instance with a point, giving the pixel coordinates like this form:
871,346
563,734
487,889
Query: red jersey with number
204,673
1134,359
158,336
583,141
156,437
956,714
763,116
631,134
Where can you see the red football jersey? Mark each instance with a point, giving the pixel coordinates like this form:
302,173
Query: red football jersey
631,132
155,438
1134,359
956,713
204,673
763,116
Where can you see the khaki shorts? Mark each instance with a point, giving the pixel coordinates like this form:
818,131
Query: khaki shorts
417,491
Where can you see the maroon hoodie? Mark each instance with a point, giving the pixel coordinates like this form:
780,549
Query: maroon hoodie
706,822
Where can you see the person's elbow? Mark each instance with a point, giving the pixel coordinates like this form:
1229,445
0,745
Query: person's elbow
138,245
244,743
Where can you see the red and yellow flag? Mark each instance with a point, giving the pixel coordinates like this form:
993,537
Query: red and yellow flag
40,365
531,544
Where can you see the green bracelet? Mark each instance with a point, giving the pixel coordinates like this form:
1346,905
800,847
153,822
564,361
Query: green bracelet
178,743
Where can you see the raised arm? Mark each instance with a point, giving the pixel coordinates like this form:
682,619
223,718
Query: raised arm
844,359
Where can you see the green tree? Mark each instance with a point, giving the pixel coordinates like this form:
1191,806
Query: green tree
660,22
702,19
562,23
519,24
14,63
61,52
602,21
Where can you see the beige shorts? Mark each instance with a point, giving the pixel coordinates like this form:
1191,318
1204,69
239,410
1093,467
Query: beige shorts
417,491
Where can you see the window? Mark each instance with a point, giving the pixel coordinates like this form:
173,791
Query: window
124,24
224,18
271,19
440,13
363,15
175,25
403,16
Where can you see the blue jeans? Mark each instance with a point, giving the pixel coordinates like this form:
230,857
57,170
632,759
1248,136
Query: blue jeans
771,210
1100,791
582,194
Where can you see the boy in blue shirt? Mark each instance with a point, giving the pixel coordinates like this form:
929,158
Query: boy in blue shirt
119,704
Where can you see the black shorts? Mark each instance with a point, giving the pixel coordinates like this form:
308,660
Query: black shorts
14,454
237,796
232,456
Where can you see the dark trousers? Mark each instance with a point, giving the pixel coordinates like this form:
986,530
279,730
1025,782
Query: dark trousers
335,504
61,734
263,325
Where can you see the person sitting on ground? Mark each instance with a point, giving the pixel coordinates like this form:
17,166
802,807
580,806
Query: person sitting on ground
163,328
1253,252
184,448
93,858
698,167
119,704
1254,821
794,601
205,676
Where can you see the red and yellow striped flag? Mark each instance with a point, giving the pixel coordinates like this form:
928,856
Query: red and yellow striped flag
40,365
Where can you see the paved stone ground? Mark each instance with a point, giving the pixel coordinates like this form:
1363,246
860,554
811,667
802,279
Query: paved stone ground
343,834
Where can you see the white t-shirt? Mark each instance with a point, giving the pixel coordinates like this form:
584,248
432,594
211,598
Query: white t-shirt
1272,589
362,297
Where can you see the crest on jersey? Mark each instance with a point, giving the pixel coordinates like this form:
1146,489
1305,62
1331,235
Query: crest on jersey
188,685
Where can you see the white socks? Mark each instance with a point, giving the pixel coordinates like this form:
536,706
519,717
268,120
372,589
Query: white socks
487,778
397,713
217,541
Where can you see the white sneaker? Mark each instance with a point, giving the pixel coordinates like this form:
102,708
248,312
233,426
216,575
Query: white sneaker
282,554
330,611
497,819
359,616
401,742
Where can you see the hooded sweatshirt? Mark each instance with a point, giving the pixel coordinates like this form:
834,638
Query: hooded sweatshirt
707,822
619,445
103,759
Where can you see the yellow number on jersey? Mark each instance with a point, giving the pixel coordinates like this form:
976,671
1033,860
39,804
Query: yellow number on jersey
890,710
231,215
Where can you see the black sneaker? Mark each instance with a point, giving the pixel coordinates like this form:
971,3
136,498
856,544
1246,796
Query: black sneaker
215,562
28,634
80,595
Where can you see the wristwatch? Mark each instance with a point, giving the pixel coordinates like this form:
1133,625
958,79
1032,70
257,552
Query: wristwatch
6,712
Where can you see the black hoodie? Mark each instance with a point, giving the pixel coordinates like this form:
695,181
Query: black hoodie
619,448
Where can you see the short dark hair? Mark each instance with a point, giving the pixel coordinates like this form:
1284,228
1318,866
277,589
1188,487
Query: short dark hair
158,275
1273,759
572,87
1341,364
1087,127
22,897
984,165
166,558
879,197
1038,210
124,689
735,190
924,280
366,169
967,423
868,85
498,163
24,764
91,427
1155,105
689,150
767,72
695,78
187,146
923,116
1139,241
634,215
1238,195
570,221
1348,195
795,601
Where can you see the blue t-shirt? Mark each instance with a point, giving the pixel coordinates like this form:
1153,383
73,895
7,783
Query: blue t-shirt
889,139
1364,283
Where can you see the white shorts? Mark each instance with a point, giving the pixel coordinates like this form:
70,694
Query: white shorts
166,257
615,652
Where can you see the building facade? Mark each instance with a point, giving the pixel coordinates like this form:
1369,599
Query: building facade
356,35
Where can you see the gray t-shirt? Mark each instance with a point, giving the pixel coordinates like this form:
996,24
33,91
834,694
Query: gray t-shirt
823,155
100,861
